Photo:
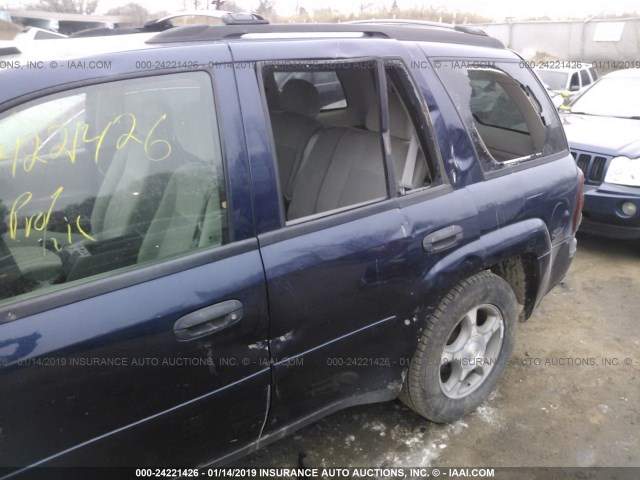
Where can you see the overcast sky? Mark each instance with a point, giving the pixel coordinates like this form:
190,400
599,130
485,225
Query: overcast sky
488,8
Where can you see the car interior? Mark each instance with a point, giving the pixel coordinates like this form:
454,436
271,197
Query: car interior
506,116
149,186
139,166
331,159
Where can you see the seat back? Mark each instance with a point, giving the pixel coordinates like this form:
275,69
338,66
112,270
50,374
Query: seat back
356,173
293,125
189,214
133,184
343,166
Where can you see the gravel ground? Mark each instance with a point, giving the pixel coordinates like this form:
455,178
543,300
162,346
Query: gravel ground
569,398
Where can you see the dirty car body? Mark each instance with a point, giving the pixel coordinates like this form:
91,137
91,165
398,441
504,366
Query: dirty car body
172,295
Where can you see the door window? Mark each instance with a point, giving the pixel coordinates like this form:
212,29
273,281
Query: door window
327,161
584,78
106,178
330,161
327,84
574,84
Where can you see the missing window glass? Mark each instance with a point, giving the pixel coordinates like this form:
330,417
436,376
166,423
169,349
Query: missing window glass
508,116
326,133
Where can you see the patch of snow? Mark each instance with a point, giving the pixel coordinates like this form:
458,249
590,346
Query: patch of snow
490,415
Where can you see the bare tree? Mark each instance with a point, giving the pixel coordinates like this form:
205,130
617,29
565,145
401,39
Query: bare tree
364,7
134,12
227,5
265,7
86,7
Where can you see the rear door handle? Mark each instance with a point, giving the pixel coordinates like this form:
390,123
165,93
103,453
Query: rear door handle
442,239
208,320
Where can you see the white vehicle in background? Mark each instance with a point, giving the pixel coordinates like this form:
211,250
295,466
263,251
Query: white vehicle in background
566,83
603,130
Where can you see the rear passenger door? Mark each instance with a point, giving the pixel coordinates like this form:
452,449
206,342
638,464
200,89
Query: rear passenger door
132,295
335,249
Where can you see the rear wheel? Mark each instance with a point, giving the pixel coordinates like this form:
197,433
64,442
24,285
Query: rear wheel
463,350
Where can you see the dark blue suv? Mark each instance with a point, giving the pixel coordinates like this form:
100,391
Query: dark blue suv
202,250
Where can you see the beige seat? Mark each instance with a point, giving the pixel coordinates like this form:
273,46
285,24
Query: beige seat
129,194
36,263
125,204
344,166
293,124
402,134
139,189
133,184
189,215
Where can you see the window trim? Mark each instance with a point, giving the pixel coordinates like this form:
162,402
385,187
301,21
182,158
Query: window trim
417,105
385,134
351,215
335,211
324,222
514,164
526,164
110,282
260,67
380,91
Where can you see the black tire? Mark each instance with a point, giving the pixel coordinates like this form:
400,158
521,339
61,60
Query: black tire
436,388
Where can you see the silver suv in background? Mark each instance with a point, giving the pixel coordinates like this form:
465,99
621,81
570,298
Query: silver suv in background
566,82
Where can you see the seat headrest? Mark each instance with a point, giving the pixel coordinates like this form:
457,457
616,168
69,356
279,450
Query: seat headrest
400,125
301,97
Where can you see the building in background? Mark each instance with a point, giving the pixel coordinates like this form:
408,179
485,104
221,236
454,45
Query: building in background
587,40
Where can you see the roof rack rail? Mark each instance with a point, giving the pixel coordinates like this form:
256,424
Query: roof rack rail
166,23
244,19
419,23
430,33
228,18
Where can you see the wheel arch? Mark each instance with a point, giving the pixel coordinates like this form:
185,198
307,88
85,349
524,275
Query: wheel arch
519,253
521,274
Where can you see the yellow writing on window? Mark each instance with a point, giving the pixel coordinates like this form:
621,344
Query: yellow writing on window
23,226
66,140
